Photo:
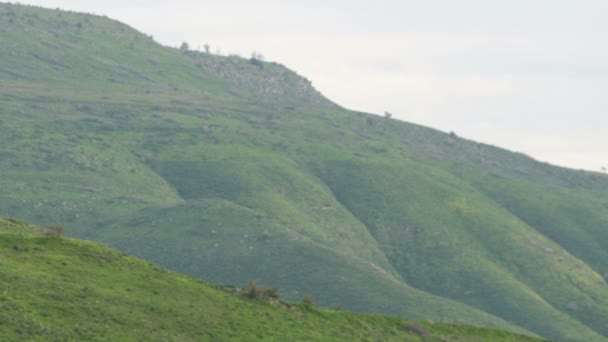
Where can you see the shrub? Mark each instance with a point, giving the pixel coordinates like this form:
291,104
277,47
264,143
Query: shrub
411,327
308,301
258,292
53,230
257,59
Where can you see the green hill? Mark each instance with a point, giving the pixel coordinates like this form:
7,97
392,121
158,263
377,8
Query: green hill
56,289
231,170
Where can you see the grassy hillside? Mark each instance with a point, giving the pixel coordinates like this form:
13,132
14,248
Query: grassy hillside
57,289
230,170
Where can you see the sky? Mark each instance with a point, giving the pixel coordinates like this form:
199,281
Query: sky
526,75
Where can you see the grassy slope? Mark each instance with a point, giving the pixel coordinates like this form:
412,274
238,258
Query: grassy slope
55,289
440,242
215,177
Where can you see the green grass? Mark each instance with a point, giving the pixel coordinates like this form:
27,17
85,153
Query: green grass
14,227
58,289
440,241
229,171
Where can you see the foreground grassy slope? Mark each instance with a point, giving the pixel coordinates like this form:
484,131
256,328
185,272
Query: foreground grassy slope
232,170
55,289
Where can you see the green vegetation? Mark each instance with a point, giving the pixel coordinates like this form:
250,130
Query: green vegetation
255,291
227,171
14,227
57,289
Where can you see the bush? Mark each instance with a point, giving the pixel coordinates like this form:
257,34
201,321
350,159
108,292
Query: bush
411,327
255,291
257,59
308,301
53,230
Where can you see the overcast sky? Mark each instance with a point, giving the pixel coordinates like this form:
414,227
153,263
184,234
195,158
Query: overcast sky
527,75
